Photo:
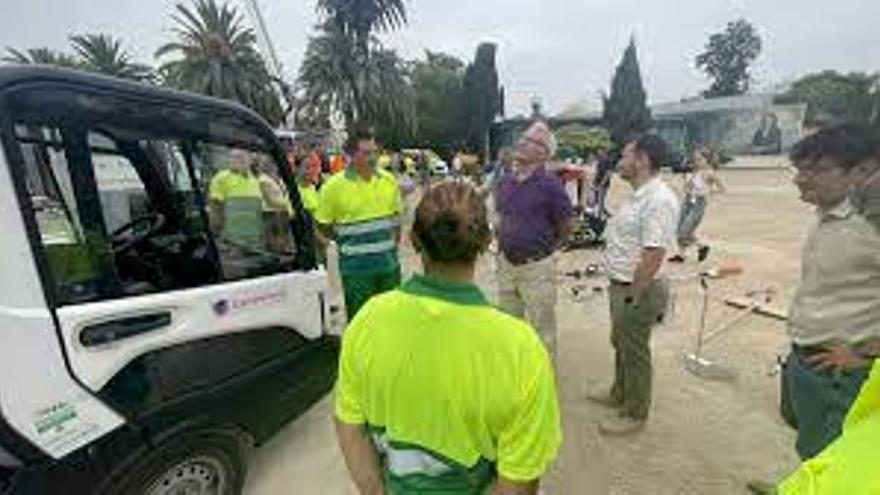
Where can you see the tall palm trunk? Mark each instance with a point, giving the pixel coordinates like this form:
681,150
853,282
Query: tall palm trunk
360,76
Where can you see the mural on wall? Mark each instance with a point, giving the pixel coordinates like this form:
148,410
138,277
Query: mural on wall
767,139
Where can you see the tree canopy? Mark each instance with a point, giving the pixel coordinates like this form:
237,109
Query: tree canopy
40,56
104,54
834,97
626,112
438,83
360,19
580,141
364,90
727,57
216,55
346,70
94,52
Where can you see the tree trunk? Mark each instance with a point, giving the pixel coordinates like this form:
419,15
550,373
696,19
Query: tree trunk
358,80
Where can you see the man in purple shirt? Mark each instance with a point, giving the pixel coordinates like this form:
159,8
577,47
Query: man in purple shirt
535,213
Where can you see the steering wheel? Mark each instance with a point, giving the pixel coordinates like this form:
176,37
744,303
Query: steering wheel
128,235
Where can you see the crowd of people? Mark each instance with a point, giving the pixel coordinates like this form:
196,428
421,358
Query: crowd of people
441,390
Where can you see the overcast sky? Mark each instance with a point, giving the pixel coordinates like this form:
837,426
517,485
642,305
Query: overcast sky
559,50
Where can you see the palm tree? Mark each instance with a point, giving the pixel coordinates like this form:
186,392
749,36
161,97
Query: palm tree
353,23
40,56
359,19
391,97
326,78
102,53
217,56
333,78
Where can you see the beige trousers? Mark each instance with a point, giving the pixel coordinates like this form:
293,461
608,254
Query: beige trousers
529,292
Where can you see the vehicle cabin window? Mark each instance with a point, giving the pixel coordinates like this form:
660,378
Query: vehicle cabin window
50,188
121,191
248,208
131,211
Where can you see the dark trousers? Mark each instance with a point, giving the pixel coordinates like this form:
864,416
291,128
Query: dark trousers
358,288
631,338
821,401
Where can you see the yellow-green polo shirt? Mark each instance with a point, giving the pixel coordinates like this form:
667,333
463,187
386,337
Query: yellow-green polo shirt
309,197
365,217
242,202
448,384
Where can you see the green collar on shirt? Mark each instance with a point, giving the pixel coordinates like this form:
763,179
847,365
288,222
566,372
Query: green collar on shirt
454,292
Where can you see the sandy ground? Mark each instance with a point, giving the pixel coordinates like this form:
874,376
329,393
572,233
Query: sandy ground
704,436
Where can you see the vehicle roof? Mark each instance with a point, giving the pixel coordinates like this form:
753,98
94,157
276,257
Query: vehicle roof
12,76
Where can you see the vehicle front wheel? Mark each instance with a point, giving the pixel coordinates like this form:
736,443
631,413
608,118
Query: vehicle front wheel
203,462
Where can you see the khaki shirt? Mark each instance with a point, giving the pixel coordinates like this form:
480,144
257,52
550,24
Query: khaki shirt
648,219
867,202
838,298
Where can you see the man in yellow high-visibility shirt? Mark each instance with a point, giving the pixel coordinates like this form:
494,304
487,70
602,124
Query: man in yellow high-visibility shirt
384,161
236,203
360,209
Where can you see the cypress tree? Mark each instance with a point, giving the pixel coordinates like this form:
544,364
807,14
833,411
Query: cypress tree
626,113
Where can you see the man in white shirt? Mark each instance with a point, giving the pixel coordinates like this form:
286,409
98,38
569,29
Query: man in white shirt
640,235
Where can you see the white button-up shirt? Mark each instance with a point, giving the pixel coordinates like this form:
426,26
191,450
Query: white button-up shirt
647,219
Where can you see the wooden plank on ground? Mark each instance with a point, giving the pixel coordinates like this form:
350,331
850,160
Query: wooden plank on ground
762,309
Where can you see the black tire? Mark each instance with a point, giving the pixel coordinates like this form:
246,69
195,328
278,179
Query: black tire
193,455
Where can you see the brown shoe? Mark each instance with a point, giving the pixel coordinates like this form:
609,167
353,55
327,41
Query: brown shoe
603,398
620,426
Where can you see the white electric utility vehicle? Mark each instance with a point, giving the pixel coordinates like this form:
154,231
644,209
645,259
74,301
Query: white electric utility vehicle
155,323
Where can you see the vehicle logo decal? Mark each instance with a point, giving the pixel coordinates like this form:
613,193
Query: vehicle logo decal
221,307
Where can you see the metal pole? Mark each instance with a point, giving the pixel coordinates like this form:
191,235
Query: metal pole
268,49
704,285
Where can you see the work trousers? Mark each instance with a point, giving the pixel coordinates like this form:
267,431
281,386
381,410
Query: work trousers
358,288
821,400
528,291
631,325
